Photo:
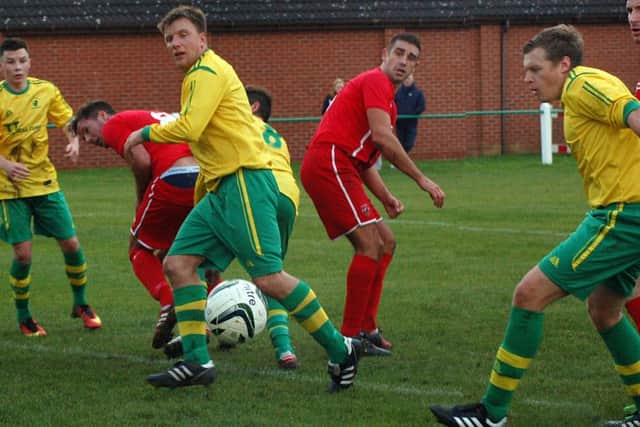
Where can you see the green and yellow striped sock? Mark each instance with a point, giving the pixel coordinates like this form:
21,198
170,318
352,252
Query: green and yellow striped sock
20,281
306,309
623,343
521,342
190,301
278,327
76,269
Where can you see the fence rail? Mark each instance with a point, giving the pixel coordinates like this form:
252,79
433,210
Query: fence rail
416,116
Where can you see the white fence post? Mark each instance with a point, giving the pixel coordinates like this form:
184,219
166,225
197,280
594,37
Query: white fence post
545,133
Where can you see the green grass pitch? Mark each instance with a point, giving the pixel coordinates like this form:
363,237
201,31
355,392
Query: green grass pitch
445,305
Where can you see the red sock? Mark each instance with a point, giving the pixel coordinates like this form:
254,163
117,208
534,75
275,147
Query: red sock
148,269
360,277
370,322
633,308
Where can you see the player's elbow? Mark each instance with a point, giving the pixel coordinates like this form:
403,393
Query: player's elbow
380,137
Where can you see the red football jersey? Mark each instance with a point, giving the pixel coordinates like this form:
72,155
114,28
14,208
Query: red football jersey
116,130
345,122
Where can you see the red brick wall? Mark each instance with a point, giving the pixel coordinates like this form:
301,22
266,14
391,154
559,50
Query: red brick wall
460,71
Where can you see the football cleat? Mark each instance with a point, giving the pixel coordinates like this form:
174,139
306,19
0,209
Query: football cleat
164,328
31,328
88,316
288,360
376,338
632,420
472,415
173,349
368,348
343,374
184,374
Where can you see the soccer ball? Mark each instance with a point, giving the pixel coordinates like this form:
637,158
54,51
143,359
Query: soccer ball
236,311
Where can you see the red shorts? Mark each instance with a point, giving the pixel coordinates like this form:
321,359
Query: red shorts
333,182
166,203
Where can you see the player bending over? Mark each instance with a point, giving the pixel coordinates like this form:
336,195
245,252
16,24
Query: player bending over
164,179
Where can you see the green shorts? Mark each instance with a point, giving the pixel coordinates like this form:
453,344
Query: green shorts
50,214
239,220
286,218
604,249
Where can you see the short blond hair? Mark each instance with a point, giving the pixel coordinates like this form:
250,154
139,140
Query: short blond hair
192,13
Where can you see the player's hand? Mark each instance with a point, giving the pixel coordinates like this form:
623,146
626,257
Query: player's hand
72,150
393,206
15,171
436,193
135,138
434,190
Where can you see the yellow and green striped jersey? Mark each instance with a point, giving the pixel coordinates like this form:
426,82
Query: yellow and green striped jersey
24,138
278,152
596,106
216,120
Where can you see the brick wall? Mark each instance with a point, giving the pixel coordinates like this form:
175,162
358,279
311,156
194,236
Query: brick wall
460,71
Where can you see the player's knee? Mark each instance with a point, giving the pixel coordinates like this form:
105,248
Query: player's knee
603,316
276,285
172,268
389,246
527,297
23,257
71,245
375,248
22,252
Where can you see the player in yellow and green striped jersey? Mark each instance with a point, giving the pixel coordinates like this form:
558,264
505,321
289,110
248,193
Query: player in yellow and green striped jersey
29,189
600,261
237,218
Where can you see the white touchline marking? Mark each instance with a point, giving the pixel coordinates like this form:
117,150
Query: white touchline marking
468,227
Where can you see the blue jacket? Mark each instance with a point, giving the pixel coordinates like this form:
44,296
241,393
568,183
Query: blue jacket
410,100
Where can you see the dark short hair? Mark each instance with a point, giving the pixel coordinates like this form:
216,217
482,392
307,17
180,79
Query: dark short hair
558,41
90,110
12,44
405,37
192,13
260,94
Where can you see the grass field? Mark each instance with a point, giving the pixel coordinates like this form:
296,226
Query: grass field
445,304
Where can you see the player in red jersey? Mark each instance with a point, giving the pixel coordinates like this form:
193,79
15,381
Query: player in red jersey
165,176
353,133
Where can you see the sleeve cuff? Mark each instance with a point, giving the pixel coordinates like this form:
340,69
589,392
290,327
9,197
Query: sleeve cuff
629,108
146,132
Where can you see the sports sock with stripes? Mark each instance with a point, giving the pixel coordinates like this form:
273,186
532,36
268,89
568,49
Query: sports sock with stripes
521,342
20,281
623,343
190,301
278,327
76,269
306,309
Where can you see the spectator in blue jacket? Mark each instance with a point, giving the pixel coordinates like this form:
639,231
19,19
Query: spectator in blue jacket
410,101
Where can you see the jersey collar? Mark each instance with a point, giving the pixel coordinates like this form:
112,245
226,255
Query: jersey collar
16,92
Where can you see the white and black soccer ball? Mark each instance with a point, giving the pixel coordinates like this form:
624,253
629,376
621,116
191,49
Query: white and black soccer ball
236,311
